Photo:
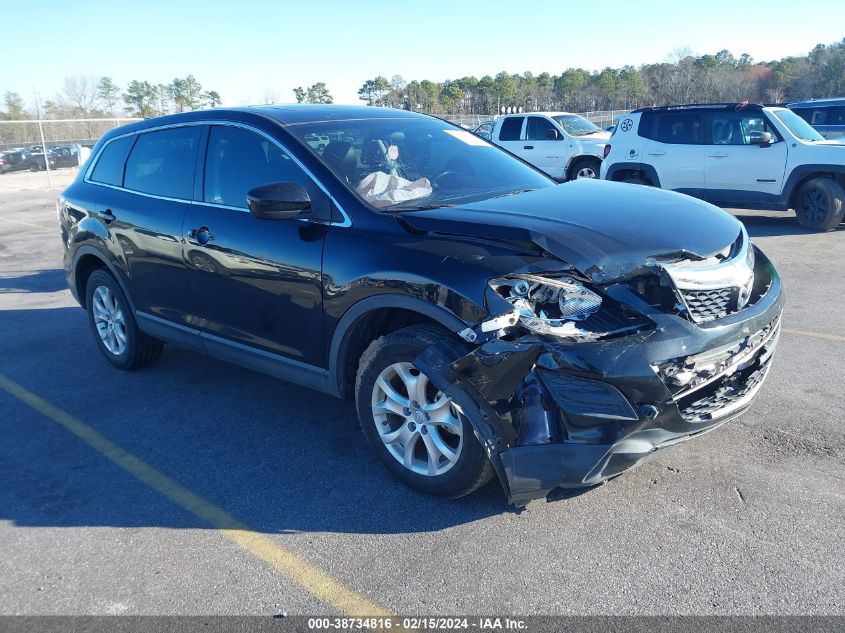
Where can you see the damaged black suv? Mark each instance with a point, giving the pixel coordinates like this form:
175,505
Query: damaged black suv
486,320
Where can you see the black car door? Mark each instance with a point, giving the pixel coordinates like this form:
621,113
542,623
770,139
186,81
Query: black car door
145,213
255,283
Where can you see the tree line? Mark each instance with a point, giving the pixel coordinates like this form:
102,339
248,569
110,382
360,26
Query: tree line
684,78
87,97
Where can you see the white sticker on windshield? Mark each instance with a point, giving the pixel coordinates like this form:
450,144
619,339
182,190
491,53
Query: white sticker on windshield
468,137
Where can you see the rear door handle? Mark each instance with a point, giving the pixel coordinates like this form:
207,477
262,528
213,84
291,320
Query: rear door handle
106,216
719,155
202,235
528,147
657,153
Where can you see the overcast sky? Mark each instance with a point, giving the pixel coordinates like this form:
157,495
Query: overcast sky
246,48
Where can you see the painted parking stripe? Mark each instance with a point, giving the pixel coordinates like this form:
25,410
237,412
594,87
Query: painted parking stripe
824,335
35,226
312,579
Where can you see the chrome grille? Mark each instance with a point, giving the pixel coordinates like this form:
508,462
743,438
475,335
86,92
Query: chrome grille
734,390
730,391
707,305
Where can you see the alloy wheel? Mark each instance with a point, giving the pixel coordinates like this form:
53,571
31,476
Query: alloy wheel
109,320
586,172
419,425
813,205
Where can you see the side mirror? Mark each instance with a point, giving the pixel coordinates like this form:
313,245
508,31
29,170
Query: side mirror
760,138
278,201
552,134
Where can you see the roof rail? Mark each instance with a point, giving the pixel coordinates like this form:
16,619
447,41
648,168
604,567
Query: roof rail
737,107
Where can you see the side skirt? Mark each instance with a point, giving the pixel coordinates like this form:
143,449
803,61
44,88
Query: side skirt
280,367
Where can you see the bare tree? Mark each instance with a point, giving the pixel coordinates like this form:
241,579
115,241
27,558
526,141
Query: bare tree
79,95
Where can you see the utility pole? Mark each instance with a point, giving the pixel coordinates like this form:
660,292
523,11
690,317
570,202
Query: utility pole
43,143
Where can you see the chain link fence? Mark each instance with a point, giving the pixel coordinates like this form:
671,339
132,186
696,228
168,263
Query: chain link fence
37,154
602,118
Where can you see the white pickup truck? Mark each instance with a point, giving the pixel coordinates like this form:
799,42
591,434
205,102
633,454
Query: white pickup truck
564,145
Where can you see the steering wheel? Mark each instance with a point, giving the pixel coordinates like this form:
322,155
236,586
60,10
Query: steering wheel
435,182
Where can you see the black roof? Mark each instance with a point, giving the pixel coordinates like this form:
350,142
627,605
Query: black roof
704,106
284,115
815,103
309,112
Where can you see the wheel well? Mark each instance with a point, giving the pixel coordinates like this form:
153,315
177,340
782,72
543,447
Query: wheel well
86,265
793,196
580,159
622,174
363,331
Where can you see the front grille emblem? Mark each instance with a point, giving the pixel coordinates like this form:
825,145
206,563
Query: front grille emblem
712,290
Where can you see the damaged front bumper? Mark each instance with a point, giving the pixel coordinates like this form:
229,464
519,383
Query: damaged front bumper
551,413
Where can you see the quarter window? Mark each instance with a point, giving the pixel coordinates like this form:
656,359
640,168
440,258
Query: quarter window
109,167
679,128
538,129
511,128
238,160
163,162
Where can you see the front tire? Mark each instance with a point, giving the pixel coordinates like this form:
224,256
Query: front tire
114,326
585,168
418,433
820,205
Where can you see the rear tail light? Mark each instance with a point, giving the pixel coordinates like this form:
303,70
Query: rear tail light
606,150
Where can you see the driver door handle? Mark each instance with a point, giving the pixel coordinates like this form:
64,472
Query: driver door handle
718,155
528,147
107,216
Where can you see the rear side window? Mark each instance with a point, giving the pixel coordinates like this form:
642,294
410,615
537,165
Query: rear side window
109,167
511,128
540,129
827,115
678,128
163,163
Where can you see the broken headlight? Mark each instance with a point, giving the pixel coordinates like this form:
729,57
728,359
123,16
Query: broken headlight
549,305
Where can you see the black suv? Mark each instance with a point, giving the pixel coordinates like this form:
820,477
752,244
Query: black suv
15,160
484,319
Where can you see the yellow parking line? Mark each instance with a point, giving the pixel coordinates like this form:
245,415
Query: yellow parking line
36,226
824,335
312,579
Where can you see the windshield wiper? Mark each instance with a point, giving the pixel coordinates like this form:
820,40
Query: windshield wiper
513,193
406,206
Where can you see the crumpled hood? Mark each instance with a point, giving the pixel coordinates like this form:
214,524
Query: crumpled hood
604,229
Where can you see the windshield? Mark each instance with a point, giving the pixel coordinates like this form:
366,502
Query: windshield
798,126
416,163
575,125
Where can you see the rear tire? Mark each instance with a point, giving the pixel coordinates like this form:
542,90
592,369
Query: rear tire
820,204
635,180
398,408
585,168
113,324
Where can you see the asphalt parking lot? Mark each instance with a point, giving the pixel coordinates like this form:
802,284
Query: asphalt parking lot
196,487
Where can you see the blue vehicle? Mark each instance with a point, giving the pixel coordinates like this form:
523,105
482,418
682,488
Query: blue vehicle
826,115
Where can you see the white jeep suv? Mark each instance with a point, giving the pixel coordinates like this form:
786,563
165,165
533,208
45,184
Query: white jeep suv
564,145
733,155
